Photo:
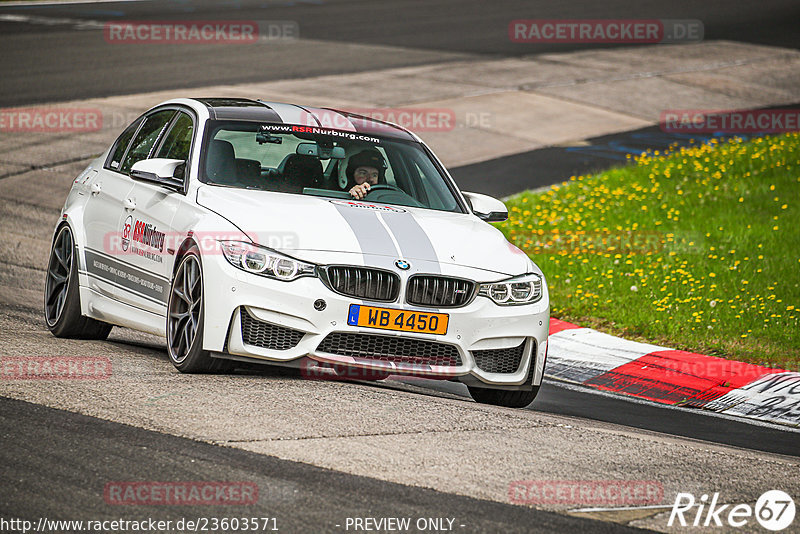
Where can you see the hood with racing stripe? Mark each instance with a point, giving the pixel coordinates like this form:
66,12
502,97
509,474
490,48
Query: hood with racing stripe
326,230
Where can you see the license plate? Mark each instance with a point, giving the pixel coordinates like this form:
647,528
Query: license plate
399,320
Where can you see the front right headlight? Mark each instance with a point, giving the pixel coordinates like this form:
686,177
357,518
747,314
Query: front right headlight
265,262
524,289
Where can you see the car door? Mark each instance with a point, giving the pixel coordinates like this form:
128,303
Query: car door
150,210
108,188
108,250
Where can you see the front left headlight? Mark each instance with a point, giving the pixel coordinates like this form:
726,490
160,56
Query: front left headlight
524,289
265,262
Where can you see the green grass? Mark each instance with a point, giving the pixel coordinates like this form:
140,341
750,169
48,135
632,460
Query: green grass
698,250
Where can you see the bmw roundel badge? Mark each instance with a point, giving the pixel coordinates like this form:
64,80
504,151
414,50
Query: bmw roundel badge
403,265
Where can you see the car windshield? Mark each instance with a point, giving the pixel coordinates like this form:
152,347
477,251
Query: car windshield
322,162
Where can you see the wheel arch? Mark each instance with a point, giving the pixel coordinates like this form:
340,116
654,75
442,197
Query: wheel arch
62,222
73,218
78,242
187,244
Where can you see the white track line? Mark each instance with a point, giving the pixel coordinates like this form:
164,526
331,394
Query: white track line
63,2
77,24
649,507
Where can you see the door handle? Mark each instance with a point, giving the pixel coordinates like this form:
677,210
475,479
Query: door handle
96,188
130,204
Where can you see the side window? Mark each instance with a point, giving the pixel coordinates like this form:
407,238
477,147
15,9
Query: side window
178,141
146,138
121,144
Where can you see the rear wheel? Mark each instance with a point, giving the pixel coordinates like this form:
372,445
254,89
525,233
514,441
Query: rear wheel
501,397
62,301
185,313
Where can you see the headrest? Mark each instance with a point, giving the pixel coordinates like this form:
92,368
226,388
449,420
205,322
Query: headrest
221,162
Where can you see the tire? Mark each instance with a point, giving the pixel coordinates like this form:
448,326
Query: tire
501,397
62,299
185,316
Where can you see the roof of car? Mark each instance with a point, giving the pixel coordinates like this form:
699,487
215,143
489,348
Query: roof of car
282,113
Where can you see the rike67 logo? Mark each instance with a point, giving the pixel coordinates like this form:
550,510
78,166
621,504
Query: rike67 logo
774,510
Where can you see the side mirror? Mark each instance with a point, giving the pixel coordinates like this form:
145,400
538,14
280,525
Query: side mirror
487,208
160,171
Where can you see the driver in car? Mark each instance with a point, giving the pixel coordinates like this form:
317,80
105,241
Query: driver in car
364,170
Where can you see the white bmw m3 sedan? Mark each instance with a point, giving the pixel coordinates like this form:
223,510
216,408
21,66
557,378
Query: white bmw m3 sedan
252,231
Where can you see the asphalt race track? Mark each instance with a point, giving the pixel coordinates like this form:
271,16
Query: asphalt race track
65,459
322,452
44,60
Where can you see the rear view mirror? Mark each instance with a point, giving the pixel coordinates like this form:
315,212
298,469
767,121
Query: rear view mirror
487,208
307,149
321,152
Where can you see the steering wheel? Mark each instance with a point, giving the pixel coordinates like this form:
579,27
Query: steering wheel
391,194
384,187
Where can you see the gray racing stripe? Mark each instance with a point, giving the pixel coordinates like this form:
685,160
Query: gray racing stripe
373,239
291,114
413,241
330,118
378,246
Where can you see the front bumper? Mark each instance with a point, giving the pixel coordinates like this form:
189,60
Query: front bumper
479,326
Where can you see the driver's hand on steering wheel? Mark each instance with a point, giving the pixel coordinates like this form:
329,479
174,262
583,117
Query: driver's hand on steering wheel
359,191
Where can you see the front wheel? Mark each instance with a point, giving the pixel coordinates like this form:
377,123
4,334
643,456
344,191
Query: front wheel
185,313
62,300
501,397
